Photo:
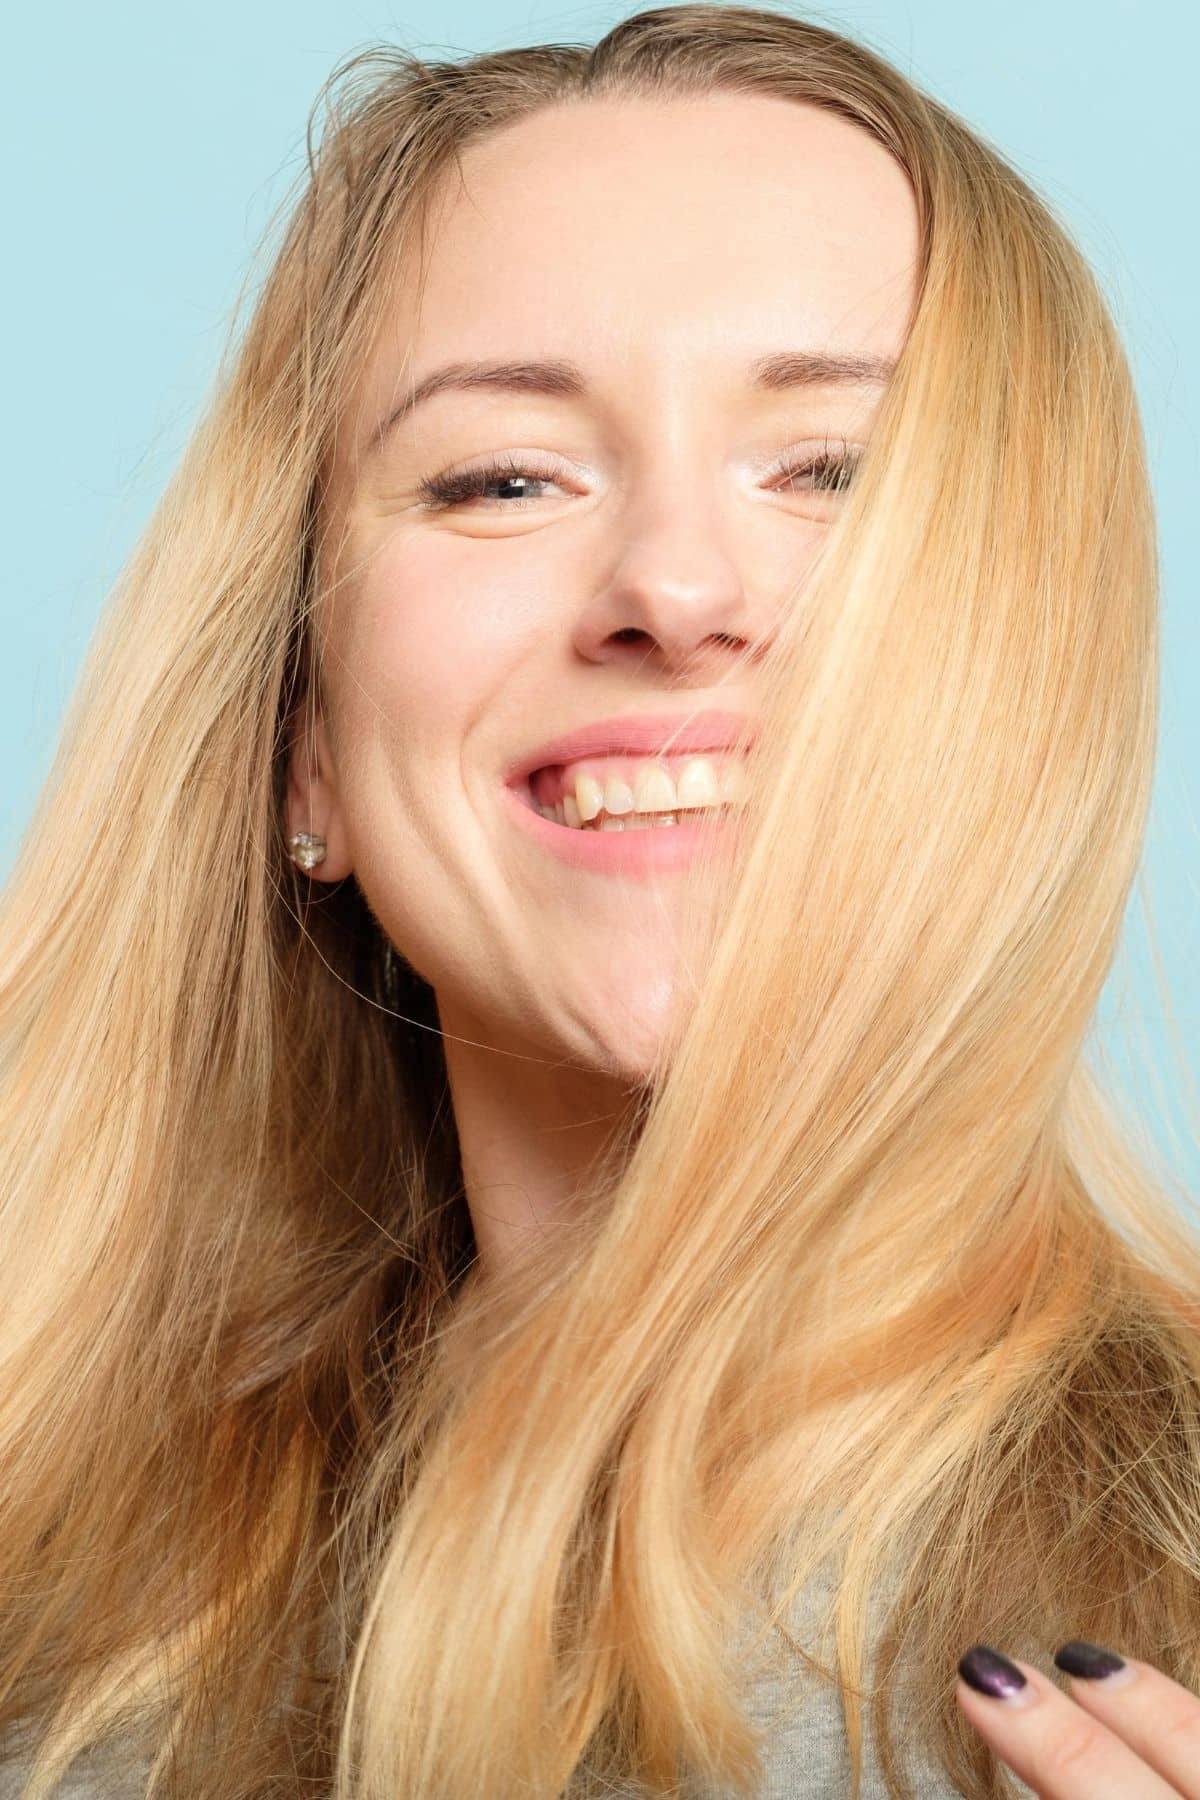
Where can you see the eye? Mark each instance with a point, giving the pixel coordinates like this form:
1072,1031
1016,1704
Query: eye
441,492
829,471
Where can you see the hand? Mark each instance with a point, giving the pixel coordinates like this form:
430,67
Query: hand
1125,1732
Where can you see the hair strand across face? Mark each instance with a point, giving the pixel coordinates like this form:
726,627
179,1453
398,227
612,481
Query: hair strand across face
873,1306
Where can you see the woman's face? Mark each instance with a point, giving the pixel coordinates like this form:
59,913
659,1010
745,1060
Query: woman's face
638,561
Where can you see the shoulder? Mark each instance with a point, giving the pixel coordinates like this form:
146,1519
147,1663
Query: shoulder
804,1749
805,1754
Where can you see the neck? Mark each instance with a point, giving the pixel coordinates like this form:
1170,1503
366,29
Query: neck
533,1130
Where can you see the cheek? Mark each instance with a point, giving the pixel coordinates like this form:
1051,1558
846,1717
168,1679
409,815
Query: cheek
437,623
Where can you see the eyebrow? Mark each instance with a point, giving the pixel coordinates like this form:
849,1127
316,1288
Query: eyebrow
566,381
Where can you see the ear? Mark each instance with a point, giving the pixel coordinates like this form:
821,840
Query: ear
311,795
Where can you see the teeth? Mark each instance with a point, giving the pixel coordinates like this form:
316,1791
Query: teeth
656,790
631,821
653,790
618,796
589,797
699,785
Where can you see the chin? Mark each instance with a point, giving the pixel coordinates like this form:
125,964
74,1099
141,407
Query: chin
631,1040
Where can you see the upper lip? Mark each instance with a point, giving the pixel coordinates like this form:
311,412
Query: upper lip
638,734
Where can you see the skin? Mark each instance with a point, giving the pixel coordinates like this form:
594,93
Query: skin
646,575
661,246
1131,1735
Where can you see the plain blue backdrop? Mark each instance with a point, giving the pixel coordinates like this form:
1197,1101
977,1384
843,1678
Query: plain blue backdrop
147,149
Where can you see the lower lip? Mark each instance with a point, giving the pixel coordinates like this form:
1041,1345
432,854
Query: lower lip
658,847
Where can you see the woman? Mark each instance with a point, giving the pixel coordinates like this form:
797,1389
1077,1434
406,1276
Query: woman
508,1294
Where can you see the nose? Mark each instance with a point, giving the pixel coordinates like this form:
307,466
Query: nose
675,599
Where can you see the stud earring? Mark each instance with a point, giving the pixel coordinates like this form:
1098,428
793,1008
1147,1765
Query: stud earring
306,848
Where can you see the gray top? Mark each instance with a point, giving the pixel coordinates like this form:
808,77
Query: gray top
806,1759
111,1772
805,1756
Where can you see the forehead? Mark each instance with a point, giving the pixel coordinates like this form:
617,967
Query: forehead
652,230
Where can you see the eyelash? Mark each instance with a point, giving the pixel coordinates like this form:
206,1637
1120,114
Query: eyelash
440,493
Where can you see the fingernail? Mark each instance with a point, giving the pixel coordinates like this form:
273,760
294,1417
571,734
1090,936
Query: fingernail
1081,1658
990,1673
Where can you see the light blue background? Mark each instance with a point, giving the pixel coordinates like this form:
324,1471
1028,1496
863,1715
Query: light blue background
148,145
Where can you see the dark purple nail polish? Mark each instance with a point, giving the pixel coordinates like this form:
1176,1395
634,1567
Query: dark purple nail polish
1080,1658
990,1673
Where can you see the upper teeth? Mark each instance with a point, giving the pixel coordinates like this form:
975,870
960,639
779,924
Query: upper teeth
699,782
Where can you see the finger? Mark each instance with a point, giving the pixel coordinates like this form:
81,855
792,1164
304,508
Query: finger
1057,1748
1158,1718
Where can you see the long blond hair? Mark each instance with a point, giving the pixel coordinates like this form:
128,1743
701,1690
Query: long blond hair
875,1285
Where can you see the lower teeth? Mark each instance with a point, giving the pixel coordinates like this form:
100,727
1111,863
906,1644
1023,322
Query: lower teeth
648,821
